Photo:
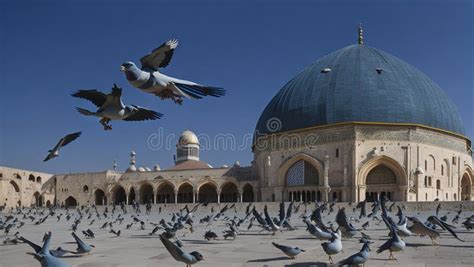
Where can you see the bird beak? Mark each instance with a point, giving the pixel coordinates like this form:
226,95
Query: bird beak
122,68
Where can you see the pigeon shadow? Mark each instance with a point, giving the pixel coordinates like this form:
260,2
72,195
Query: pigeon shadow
309,264
418,245
269,259
456,246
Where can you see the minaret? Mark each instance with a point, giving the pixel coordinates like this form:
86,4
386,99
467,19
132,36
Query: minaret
132,167
360,33
114,167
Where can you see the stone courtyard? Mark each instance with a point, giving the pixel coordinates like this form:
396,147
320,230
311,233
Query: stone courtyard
135,247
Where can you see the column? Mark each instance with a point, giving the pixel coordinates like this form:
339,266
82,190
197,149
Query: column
326,179
194,196
175,197
219,196
155,198
126,199
241,195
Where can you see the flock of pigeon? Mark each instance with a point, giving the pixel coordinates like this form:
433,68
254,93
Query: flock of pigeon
182,222
148,79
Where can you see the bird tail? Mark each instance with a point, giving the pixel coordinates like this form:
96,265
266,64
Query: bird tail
198,91
85,112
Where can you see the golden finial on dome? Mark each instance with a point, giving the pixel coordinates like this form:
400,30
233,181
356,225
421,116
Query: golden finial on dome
361,37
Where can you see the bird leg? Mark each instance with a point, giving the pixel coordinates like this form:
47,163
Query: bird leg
105,122
330,260
433,241
391,257
177,99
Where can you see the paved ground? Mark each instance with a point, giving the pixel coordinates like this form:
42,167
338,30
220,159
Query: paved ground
251,248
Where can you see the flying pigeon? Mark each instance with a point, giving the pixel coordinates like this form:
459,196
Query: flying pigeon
62,142
150,80
111,107
179,254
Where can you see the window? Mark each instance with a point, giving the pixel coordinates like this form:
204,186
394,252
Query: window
442,169
426,165
426,181
337,152
438,184
429,181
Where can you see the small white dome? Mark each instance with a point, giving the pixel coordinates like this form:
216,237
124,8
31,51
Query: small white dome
237,163
133,153
147,169
224,166
157,168
132,168
419,170
141,169
188,137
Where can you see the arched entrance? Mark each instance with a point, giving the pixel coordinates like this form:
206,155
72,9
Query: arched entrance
185,193
247,195
70,202
381,181
465,187
13,195
37,200
131,196
100,198
48,204
146,194
165,193
229,193
208,193
301,176
118,195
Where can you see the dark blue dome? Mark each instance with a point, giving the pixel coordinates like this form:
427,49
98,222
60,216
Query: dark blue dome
359,84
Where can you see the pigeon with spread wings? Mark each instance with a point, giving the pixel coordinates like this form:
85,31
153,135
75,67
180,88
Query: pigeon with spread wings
180,255
62,142
111,107
149,79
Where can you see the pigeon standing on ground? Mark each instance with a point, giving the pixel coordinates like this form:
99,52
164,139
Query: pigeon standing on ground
394,244
150,80
357,259
291,252
111,107
334,246
62,142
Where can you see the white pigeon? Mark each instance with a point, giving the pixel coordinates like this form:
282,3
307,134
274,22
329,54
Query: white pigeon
149,79
111,107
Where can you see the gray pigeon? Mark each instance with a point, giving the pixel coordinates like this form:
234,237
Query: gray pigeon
394,244
150,80
357,259
334,246
180,255
111,107
62,142
44,256
291,252
82,248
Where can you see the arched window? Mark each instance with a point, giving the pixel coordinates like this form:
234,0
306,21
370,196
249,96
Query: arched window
85,189
17,176
302,173
31,177
442,169
38,179
438,184
381,175
426,165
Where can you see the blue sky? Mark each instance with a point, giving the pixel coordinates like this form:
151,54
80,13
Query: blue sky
252,48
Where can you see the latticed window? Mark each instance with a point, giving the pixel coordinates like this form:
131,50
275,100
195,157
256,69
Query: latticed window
381,175
302,173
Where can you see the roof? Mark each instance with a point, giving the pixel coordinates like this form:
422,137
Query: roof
359,84
190,165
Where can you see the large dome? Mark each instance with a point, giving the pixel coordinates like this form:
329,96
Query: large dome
359,84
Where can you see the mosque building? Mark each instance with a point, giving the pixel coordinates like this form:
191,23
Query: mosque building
356,124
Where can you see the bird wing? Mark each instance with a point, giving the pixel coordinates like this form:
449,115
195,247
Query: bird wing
445,226
289,210
141,114
94,96
282,213
280,247
173,249
160,57
267,216
69,138
258,217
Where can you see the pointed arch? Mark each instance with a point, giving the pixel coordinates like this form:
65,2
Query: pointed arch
288,163
207,192
15,186
247,193
70,202
165,192
229,192
185,192
146,194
